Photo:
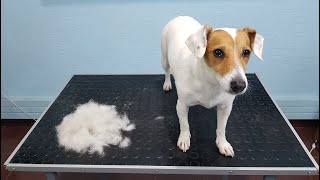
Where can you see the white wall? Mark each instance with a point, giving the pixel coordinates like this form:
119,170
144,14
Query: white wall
44,42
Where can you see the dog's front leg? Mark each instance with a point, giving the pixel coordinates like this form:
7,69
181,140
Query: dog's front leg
184,138
223,112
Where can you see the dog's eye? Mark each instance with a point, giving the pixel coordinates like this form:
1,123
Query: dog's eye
218,53
246,53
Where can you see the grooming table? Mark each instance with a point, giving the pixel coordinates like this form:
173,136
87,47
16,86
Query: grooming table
264,141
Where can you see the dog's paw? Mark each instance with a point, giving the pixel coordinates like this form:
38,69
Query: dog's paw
167,86
184,141
225,148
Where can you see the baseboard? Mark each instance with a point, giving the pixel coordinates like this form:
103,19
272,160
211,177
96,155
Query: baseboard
32,107
299,107
293,107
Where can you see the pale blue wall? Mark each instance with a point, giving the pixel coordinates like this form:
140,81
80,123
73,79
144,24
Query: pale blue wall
44,42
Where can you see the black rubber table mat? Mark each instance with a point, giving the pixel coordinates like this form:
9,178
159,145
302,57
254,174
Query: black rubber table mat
256,130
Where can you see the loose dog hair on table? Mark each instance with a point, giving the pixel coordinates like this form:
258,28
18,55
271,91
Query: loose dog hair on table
93,126
209,70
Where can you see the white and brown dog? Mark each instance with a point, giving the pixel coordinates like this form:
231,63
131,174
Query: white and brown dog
209,70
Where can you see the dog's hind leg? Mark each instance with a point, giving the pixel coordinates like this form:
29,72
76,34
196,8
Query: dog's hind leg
165,64
167,82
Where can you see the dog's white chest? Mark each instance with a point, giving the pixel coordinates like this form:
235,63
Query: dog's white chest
212,99
209,103
207,96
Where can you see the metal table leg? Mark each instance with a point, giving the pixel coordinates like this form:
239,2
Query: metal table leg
269,177
52,176
225,177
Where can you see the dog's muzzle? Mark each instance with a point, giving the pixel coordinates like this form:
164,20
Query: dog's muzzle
237,86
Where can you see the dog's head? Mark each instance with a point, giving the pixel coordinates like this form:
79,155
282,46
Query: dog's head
226,51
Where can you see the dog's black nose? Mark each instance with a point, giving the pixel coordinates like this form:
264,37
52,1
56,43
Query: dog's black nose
237,86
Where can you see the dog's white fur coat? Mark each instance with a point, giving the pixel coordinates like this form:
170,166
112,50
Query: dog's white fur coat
92,127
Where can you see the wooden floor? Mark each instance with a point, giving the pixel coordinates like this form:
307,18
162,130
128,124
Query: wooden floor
12,131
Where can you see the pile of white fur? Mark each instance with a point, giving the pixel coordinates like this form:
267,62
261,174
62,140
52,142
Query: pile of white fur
92,127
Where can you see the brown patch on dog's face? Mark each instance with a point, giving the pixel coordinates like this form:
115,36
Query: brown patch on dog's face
244,42
233,50
220,40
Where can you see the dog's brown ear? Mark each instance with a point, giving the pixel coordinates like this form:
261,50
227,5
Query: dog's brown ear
251,34
208,28
256,41
197,42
